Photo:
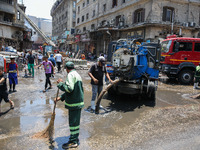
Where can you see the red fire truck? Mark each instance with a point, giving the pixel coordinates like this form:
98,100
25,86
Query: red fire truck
179,58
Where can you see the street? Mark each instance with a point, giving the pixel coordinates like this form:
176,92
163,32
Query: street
126,122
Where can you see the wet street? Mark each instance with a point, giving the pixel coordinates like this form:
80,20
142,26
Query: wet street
126,122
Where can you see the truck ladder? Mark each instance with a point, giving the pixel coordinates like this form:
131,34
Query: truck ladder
45,38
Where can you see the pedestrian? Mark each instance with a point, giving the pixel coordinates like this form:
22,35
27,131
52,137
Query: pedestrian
53,61
96,73
59,60
73,97
40,57
31,60
48,66
12,69
197,76
3,89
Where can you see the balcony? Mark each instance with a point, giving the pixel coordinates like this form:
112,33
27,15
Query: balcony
4,7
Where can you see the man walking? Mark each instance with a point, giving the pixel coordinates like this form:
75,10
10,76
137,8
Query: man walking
96,73
31,59
59,60
73,97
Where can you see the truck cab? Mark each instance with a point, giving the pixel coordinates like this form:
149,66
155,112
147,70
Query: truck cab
179,58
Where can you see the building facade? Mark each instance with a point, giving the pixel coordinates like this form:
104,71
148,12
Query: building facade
63,15
12,29
45,25
98,22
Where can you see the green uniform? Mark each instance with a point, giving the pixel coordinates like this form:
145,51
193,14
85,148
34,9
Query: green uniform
73,97
197,74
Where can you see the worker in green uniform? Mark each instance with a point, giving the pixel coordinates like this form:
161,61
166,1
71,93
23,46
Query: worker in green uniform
73,97
197,76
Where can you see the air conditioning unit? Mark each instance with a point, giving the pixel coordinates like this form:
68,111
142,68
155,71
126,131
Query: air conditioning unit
105,23
185,24
112,21
192,24
99,25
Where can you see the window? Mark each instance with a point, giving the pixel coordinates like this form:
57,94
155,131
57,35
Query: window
74,4
117,20
123,1
78,9
88,1
73,24
83,4
197,47
93,27
139,15
18,15
78,20
168,14
114,3
87,16
104,7
185,46
84,28
83,18
74,15
165,46
93,13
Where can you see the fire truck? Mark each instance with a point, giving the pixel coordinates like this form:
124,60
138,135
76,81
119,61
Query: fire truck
179,58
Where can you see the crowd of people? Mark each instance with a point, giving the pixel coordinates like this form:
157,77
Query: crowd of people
73,86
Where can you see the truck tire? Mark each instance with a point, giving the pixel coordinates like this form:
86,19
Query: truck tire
186,76
152,94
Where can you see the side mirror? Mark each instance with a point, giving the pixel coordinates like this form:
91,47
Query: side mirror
177,45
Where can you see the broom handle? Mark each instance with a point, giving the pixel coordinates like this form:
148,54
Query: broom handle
56,99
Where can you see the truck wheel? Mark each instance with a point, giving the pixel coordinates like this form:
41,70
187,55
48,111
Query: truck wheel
186,76
152,94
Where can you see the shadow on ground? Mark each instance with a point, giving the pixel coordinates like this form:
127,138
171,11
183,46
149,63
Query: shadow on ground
125,103
59,141
5,112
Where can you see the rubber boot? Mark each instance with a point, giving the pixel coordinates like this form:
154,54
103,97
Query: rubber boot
93,105
195,85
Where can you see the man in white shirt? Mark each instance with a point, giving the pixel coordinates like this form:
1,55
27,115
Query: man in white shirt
40,57
59,60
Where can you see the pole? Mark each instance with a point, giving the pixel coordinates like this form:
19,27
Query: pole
172,29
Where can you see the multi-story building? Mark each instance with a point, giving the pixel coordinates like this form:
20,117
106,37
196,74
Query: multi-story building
100,21
45,25
12,29
63,15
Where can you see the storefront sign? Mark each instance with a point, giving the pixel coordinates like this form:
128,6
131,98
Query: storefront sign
85,38
77,38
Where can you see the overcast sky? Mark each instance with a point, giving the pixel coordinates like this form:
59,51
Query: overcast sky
38,8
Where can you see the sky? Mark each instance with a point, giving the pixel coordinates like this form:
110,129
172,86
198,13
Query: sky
38,8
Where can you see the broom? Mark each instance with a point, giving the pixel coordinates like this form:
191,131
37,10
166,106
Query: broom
49,131
102,93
